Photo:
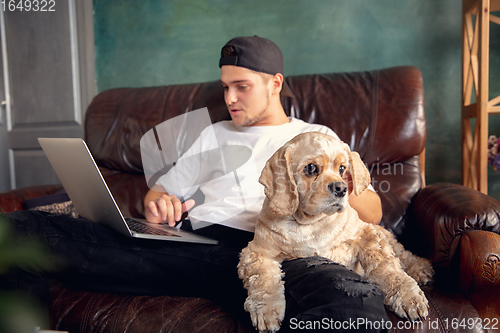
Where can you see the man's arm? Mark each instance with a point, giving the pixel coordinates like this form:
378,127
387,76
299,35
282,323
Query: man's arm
159,207
368,206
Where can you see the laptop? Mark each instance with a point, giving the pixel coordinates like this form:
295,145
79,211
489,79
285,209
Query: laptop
76,169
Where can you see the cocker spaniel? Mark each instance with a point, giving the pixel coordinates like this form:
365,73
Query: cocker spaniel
306,213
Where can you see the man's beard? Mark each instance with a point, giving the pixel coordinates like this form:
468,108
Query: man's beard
262,115
252,121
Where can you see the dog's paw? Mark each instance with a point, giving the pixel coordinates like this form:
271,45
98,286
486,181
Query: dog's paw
426,275
422,272
266,315
412,305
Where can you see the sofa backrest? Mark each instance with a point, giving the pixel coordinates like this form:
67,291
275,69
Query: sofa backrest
380,114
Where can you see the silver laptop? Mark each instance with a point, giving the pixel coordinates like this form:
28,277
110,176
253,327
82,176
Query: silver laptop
82,180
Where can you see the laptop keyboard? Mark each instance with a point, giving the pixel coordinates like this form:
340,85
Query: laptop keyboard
143,228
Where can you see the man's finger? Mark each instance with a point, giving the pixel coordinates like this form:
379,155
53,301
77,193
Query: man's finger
153,209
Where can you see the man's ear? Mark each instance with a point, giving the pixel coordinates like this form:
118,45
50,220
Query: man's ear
359,173
279,185
277,82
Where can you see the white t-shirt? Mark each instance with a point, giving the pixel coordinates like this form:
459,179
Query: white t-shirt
225,163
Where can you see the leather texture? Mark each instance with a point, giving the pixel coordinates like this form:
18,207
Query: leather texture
14,199
440,215
379,113
77,311
480,271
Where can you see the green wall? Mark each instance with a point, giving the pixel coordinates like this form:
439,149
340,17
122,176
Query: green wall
153,42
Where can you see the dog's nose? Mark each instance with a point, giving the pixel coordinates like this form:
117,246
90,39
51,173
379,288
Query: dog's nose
338,188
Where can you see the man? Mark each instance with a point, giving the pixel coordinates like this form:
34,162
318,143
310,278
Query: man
252,87
99,259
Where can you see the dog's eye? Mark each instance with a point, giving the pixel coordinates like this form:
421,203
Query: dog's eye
342,170
311,169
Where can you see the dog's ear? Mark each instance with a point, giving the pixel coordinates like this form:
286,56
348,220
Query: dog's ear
279,185
359,173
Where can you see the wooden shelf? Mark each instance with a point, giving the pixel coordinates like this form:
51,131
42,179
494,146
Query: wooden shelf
476,20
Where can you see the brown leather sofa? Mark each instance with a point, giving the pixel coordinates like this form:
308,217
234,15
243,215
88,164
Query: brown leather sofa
381,115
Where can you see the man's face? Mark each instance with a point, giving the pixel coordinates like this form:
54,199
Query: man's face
247,96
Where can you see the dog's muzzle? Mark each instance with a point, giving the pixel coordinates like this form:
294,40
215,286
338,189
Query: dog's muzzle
339,189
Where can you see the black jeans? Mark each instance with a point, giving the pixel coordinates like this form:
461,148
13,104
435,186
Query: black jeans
319,293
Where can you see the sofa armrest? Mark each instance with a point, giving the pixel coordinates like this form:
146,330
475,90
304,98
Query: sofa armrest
439,215
480,271
13,200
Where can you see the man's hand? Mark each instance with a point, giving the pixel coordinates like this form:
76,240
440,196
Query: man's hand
367,204
163,208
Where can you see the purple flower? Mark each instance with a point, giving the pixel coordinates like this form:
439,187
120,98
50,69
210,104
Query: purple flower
496,163
493,153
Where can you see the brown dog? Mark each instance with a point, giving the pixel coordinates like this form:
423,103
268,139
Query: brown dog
306,213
